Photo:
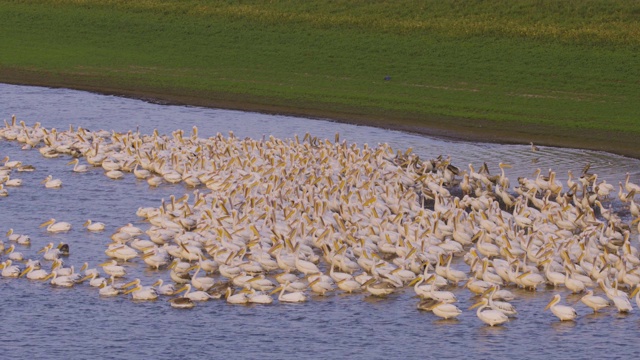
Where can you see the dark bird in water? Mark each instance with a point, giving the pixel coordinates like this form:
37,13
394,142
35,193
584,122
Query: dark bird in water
533,147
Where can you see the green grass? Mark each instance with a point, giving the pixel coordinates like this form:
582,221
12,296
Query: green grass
535,67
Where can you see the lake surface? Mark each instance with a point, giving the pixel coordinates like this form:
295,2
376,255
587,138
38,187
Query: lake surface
39,321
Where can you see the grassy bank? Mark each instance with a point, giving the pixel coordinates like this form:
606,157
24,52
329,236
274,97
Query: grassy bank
554,72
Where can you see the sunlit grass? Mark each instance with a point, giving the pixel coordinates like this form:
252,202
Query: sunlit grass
562,64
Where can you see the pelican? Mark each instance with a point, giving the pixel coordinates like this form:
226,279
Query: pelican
162,289
8,270
108,290
490,317
196,295
60,280
18,238
320,286
258,297
349,285
502,306
77,167
33,274
94,226
594,302
112,268
236,299
292,297
201,283
444,310
139,292
378,288
50,252
55,227
95,281
563,312
51,183
121,251
14,255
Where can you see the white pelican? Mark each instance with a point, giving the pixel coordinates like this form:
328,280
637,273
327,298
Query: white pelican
258,297
131,230
378,288
294,297
156,258
196,295
50,252
260,283
112,268
14,255
33,274
444,310
9,270
55,227
594,302
502,306
51,183
320,286
121,251
349,285
304,266
622,303
13,182
139,292
19,238
563,312
59,280
94,226
77,167
236,299
490,317
108,289
201,283
114,174
96,280
163,289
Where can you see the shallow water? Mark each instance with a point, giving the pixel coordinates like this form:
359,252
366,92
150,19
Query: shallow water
39,321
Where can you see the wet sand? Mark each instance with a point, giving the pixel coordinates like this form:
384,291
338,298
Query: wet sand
451,128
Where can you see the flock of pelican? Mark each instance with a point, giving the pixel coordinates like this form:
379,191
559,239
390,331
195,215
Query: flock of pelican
276,219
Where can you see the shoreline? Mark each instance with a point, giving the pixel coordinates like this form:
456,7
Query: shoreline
445,128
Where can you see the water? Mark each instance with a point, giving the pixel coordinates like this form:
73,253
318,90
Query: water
39,321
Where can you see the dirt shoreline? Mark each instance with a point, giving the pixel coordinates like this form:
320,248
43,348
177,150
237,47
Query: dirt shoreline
447,128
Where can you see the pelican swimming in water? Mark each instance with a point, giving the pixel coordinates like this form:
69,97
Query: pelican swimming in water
196,295
292,297
50,252
563,312
77,167
444,310
164,289
55,227
112,268
139,292
18,238
94,226
51,183
60,280
490,317
33,274
9,270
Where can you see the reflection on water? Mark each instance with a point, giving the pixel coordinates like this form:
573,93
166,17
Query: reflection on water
44,322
